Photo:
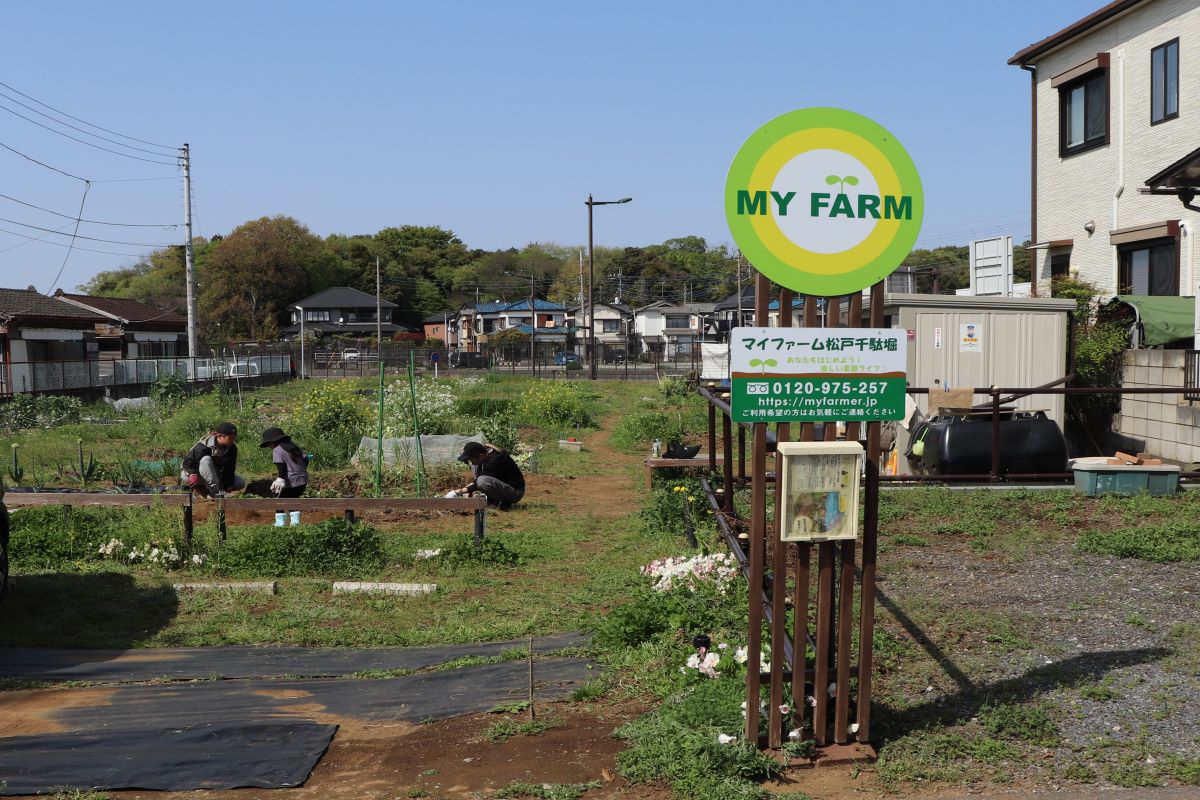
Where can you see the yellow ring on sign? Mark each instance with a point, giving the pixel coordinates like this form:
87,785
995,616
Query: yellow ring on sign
767,228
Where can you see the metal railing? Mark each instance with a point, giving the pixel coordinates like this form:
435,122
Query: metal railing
1191,375
19,377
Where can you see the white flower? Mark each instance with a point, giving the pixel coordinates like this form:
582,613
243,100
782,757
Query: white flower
812,701
198,559
740,656
725,738
424,554
794,735
785,709
723,646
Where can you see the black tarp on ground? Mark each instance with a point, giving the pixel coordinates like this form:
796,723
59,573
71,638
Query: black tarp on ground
269,755
412,698
128,741
194,663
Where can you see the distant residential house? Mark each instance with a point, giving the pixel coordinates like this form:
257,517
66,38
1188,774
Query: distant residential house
131,329
342,311
1115,165
491,318
442,326
614,327
35,329
671,329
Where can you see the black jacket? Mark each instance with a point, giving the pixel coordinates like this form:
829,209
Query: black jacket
224,460
499,465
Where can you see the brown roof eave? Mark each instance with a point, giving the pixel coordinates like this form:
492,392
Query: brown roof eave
1096,18
68,323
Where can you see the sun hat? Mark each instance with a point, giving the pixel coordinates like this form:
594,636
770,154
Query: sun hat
227,429
272,436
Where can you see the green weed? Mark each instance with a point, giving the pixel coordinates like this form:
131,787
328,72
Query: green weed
547,791
1176,541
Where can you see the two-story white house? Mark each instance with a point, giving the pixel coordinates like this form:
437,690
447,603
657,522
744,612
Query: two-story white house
1115,99
670,330
613,330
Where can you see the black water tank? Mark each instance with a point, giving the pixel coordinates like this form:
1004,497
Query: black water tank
962,445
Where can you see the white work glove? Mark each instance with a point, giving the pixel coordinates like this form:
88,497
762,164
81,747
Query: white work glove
278,485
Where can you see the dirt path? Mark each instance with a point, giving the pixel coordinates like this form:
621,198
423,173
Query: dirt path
609,491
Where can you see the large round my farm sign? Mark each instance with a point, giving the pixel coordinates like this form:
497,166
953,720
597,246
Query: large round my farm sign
824,201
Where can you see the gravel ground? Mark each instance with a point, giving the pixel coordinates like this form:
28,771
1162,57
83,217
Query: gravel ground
1109,647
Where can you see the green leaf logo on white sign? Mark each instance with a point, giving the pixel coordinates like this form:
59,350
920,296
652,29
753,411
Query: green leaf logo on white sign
824,201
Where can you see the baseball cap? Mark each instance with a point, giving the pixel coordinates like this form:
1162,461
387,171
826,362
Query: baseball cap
227,429
470,451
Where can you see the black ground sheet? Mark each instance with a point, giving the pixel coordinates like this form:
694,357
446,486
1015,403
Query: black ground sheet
194,663
209,756
253,732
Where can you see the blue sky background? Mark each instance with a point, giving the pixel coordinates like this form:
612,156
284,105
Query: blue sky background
494,120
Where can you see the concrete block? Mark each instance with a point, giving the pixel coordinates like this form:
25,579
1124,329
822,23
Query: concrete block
1130,358
1135,427
265,587
357,587
1141,375
1174,358
1154,358
1153,429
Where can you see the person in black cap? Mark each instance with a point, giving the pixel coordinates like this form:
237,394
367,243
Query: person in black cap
290,462
496,475
209,468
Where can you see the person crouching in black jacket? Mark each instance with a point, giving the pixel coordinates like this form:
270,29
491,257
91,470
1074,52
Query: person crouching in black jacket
496,475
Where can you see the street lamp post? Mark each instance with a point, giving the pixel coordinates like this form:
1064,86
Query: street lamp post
591,277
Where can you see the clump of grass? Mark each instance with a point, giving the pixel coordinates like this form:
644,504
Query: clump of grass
547,791
505,729
333,548
1158,543
1022,722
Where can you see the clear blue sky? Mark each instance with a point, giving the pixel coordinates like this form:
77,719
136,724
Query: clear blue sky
494,120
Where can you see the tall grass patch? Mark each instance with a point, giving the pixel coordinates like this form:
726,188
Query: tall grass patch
333,548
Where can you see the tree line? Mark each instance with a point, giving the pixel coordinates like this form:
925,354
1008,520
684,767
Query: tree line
248,278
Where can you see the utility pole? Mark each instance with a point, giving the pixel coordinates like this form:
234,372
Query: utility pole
378,314
533,327
580,277
185,160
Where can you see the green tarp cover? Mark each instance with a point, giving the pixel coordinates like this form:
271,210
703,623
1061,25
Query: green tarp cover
1164,319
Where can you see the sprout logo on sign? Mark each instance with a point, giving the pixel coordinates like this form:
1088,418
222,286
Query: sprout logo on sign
824,201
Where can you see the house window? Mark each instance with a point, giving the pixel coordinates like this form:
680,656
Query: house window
1150,268
677,321
1060,265
1164,82
316,316
1084,113
610,326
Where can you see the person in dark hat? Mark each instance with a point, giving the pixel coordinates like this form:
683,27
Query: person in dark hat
210,467
496,475
290,462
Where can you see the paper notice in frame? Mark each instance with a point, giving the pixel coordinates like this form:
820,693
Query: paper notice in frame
820,481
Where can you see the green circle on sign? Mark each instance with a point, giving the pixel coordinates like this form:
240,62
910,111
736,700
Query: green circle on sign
824,201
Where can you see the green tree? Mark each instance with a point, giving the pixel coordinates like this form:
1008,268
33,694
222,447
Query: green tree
156,280
253,274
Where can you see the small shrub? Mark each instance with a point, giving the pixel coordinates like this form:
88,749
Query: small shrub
673,388
554,404
435,408
666,511
39,411
500,431
329,422
651,613
169,391
1020,722
333,548
636,431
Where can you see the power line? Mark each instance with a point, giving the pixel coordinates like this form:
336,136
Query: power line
81,130
87,187
81,141
39,163
89,238
91,221
29,239
85,122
